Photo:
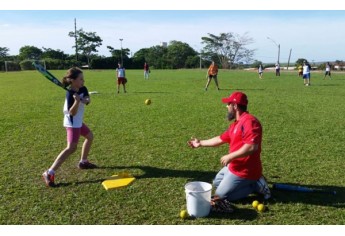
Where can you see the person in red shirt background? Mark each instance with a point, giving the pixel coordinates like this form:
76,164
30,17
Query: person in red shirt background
146,70
242,171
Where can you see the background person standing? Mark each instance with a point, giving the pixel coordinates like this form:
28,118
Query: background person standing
328,71
260,71
146,70
306,73
212,72
121,78
300,71
277,69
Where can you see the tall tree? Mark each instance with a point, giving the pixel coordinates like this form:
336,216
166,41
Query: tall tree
116,53
300,61
157,57
192,62
256,64
230,48
4,52
54,54
30,52
140,57
178,53
87,42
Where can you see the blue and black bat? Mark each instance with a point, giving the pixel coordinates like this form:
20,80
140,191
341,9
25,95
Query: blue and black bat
48,75
297,188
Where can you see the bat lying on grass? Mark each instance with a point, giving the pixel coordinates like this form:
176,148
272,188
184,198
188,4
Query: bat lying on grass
297,188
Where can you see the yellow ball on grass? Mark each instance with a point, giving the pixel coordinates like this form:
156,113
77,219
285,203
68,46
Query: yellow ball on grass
255,204
184,214
148,101
261,207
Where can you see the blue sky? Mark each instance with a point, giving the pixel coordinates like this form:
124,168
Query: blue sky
315,35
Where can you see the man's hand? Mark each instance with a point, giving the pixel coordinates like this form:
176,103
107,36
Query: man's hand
225,160
194,143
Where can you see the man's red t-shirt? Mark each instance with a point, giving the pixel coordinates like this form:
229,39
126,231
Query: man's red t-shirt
247,130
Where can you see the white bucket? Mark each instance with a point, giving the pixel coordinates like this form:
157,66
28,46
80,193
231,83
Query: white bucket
198,196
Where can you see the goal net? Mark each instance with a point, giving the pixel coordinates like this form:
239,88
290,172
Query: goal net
16,66
11,66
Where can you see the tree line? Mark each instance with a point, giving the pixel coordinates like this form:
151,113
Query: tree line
228,50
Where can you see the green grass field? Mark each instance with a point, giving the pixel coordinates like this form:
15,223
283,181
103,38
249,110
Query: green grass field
303,143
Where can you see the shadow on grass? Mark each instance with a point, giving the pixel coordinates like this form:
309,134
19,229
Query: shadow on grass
238,214
327,85
311,198
278,196
155,172
151,172
151,92
65,184
240,89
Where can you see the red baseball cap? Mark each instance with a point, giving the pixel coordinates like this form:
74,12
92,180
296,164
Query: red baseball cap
237,98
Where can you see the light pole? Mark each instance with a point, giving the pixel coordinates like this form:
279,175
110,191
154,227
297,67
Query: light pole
121,52
278,45
200,59
199,54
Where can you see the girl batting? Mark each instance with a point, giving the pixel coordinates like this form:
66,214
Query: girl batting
75,102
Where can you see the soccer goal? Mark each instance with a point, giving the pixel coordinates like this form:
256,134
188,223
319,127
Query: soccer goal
11,66
15,65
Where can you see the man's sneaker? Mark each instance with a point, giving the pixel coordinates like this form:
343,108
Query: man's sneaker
48,179
86,165
221,205
263,188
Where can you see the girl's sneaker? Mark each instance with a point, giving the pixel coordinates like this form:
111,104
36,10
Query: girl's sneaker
86,165
48,179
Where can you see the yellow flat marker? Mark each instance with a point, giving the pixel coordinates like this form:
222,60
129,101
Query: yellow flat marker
116,181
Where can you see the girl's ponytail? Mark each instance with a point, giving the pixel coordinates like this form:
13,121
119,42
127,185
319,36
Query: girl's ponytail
66,81
71,74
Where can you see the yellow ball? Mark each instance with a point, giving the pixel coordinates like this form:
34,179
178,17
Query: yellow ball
261,208
148,101
184,214
255,204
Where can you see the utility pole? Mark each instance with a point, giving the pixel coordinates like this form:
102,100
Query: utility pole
200,59
278,45
76,39
197,49
278,52
289,59
121,52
